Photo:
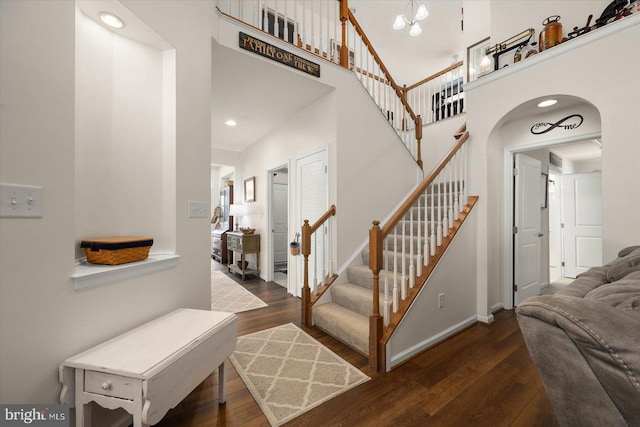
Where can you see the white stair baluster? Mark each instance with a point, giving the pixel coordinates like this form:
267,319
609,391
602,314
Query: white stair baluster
315,263
440,219
403,282
276,27
386,305
466,170
396,291
456,188
313,27
265,19
450,168
330,265
412,266
427,239
419,243
445,202
336,24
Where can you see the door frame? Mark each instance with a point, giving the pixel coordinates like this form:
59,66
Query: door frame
269,237
507,207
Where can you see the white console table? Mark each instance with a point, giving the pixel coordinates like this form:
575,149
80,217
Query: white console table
151,369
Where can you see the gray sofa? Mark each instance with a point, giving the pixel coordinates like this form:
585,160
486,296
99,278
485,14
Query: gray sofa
585,342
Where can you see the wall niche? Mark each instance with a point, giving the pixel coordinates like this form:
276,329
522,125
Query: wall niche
125,144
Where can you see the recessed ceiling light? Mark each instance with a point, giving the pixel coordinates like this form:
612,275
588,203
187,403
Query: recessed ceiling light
230,123
547,103
111,20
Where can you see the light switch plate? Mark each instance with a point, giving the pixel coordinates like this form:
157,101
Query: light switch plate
199,209
20,201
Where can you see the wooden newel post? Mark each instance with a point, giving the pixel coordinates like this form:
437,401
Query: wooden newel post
376,352
344,50
419,139
306,291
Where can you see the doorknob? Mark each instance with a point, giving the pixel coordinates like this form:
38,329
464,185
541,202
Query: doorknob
540,234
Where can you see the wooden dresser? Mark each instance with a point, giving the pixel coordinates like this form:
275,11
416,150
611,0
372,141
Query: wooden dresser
243,244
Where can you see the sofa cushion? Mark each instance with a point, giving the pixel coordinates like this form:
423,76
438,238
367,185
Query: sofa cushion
623,266
584,284
626,251
623,294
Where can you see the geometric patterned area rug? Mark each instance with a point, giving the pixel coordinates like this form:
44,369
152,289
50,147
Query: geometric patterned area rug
228,296
288,372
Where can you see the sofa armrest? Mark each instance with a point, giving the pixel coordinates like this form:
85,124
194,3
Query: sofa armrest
596,352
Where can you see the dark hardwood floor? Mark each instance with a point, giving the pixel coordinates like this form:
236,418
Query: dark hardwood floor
482,376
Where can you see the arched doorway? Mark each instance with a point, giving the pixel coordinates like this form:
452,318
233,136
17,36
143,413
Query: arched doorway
526,128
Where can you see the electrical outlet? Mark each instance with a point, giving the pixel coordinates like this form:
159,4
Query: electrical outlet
440,300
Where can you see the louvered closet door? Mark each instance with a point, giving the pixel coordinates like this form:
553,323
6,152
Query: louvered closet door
312,202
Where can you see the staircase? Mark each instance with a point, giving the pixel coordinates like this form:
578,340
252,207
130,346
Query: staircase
346,317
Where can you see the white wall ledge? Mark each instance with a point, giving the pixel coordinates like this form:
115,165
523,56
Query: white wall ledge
594,35
87,275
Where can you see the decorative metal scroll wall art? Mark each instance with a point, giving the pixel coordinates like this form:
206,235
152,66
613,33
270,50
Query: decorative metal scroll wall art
568,123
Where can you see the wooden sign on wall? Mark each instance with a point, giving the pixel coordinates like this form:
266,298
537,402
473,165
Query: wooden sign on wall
274,53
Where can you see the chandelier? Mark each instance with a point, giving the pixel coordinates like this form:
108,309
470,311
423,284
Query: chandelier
418,12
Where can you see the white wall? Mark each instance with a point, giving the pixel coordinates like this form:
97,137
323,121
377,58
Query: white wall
425,324
437,140
43,320
551,75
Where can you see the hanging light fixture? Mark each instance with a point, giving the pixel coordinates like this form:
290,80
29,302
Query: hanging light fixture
418,13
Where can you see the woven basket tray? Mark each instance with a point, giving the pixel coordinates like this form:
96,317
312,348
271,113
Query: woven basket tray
116,250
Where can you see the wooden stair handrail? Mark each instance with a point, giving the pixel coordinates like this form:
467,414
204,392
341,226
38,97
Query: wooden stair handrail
307,231
400,213
434,76
399,91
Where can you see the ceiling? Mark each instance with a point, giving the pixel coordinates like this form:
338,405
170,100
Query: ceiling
411,59
256,94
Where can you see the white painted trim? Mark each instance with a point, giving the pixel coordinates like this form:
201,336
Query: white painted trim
431,341
88,275
496,307
486,319
558,50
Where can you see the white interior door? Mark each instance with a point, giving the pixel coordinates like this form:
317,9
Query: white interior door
527,234
280,226
312,199
582,226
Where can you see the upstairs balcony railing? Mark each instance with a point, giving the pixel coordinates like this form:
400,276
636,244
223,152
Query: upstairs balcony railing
439,96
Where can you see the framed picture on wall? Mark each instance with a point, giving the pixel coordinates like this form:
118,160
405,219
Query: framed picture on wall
475,53
250,189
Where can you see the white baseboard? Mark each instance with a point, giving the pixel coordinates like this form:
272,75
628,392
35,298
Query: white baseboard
496,307
429,342
486,319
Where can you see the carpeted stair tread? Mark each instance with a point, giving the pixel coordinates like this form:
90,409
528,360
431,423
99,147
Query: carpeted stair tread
389,255
355,298
343,324
362,276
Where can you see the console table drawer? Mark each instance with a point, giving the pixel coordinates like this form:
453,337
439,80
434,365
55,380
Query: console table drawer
108,385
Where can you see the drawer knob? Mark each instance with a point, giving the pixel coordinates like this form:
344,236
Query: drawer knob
106,386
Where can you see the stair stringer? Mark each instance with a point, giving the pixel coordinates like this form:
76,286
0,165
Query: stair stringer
424,324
